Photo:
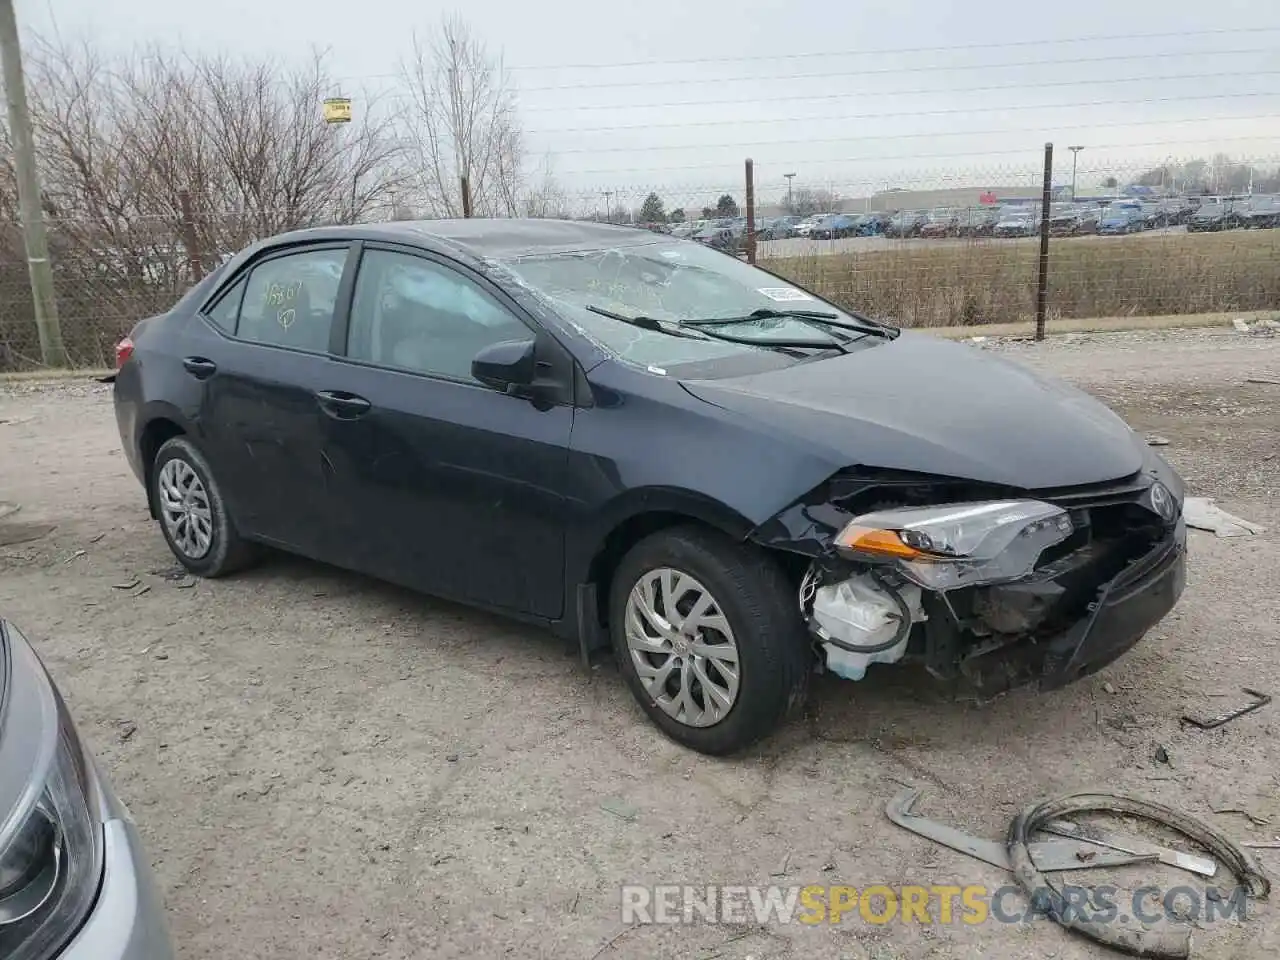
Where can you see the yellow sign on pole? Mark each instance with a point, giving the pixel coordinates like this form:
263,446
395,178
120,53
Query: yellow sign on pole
337,110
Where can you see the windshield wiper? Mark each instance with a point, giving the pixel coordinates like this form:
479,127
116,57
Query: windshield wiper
816,317
786,344
645,323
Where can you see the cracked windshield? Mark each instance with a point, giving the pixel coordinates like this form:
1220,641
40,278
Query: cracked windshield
671,282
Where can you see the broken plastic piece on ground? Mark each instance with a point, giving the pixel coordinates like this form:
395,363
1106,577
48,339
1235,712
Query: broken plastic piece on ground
1203,514
862,621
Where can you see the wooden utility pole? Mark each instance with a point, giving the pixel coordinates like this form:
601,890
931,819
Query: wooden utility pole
52,350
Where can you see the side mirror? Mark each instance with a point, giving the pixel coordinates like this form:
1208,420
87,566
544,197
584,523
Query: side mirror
511,363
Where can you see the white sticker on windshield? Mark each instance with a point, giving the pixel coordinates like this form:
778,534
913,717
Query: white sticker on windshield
672,254
783,294
658,370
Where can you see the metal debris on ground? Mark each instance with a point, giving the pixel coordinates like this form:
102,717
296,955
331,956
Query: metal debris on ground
78,553
146,588
1270,381
1050,855
1259,700
1157,942
620,809
1201,513
1155,440
1253,818
96,538
128,585
1204,866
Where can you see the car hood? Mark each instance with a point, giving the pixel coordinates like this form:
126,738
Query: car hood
927,405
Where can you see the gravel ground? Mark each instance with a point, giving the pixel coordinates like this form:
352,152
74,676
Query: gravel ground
324,766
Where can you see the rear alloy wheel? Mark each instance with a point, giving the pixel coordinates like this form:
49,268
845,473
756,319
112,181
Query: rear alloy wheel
192,514
708,636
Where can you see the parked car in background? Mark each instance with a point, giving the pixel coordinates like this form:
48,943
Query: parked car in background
940,223
1063,218
871,225
978,221
1217,213
905,224
718,233
778,228
1086,220
1017,222
805,226
833,226
643,444
75,883
1122,218
1262,212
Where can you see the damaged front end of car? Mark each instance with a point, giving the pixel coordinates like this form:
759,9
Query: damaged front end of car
998,587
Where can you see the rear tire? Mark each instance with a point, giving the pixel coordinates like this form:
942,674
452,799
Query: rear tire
193,516
680,666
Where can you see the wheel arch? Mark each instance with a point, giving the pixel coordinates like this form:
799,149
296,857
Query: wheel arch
640,514
161,426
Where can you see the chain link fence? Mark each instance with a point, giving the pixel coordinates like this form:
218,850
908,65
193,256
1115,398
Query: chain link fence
924,250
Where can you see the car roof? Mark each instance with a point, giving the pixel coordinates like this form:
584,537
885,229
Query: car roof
483,238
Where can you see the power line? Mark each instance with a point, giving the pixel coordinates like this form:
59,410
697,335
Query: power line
950,155
1083,81
907,113
910,136
926,68
877,51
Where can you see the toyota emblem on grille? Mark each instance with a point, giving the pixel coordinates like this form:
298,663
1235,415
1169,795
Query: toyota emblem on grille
1162,501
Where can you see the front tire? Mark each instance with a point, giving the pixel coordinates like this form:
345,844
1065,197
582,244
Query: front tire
708,637
193,516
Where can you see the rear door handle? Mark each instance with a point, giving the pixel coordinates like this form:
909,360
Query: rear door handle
199,367
344,406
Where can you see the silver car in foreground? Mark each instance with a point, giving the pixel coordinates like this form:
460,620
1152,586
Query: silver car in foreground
74,882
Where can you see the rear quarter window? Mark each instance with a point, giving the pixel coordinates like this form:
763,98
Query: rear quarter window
226,309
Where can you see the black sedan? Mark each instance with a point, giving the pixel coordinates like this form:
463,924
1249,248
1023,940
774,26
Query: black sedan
641,442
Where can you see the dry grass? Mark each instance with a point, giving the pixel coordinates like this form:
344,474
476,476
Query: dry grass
963,283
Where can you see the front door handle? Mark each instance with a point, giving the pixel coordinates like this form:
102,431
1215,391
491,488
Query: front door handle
342,405
199,367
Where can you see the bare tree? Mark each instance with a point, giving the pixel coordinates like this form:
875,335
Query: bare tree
461,122
156,164
547,199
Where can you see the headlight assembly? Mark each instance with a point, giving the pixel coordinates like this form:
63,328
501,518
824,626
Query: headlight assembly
50,835
960,544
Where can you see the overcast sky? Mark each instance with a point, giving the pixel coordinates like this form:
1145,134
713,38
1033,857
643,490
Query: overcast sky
857,94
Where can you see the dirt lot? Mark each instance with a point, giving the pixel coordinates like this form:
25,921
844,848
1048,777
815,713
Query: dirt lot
327,767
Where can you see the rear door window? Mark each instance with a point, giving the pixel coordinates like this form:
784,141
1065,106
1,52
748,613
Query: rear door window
289,301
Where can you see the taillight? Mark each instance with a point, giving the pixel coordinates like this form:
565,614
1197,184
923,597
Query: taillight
124,350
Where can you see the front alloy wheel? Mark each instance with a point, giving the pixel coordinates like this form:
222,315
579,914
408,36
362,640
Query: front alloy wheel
708,637
682,647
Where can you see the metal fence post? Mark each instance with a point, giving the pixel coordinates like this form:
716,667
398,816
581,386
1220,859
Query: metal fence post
466,196
751,212
44,301
190,239
1042,282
